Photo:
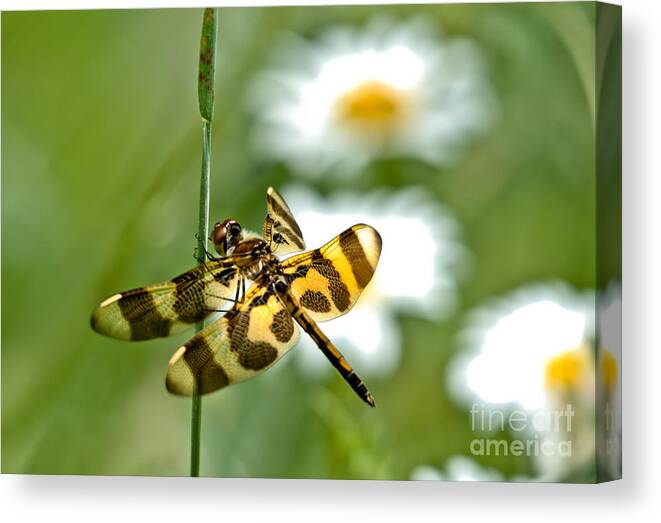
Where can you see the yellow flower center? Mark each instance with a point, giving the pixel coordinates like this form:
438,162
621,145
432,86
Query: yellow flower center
372,107
608,370
564,372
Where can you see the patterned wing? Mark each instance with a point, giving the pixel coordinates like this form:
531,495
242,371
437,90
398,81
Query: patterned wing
167,308
280,229
328,281
250,338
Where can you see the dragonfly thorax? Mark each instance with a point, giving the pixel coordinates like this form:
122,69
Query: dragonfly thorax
253,256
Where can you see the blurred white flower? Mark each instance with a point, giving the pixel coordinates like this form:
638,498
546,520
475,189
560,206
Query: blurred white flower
532,350
413,226
527,347
388,89
609,320
457,468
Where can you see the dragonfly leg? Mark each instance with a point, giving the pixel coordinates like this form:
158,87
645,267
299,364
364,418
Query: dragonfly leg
243,289
225,298
238,290
209,256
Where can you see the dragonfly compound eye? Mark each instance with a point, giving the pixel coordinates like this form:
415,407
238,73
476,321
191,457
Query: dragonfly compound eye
218,236
226,235
233,228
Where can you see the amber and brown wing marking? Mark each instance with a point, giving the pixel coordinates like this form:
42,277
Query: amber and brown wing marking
280,229
326,282
249,339
327,347
167,308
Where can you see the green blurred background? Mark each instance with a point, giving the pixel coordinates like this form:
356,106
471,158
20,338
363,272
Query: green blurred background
101,146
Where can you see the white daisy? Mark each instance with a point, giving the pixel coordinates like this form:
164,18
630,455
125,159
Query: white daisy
532,350
389,89
409,219
457,468
526,347
610,382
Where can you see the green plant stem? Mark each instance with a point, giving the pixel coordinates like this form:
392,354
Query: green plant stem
206,86
203,216
196,425
202,235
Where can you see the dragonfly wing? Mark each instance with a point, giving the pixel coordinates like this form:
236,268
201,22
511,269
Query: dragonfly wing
166,308
326,282
280,229
245,342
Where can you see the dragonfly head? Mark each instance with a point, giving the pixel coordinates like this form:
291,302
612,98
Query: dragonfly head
226,235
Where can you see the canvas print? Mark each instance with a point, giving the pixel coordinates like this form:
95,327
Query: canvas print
334,242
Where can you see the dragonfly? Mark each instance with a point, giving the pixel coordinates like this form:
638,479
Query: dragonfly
258,325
